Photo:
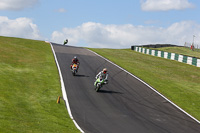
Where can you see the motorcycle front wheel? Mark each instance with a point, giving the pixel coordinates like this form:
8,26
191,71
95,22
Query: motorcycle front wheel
97,87
73,73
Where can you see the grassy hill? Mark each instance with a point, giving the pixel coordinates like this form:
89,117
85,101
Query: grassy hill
29,88
179,82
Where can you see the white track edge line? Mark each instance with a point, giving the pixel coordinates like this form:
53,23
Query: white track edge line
64,92
148,86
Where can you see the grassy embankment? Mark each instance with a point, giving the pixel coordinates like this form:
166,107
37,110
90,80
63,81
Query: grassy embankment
29,88
179,82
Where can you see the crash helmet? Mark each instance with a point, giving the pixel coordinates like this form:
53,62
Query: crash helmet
75,59
104,70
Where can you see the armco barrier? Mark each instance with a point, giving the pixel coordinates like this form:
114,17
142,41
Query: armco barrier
172,56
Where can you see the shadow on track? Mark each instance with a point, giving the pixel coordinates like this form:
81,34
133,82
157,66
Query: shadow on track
79,75
110,92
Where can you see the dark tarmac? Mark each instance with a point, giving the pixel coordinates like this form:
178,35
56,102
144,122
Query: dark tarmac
125,105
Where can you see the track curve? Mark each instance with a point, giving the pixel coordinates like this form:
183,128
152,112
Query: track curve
125,105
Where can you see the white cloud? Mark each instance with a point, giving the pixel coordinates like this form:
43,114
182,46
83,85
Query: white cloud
164,5
123,36
61,10
16,4
20,27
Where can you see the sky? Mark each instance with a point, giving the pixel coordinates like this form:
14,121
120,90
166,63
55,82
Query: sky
102,23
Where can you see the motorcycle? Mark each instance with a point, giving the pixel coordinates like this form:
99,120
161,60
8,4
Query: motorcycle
99,83
74,69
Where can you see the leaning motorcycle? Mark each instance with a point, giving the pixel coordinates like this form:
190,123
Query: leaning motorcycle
99,83
74,69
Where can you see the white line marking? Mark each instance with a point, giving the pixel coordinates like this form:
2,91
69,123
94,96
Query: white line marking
64,92
148,86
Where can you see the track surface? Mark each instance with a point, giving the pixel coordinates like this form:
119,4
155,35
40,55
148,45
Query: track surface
125,105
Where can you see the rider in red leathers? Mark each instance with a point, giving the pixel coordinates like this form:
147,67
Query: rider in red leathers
75,61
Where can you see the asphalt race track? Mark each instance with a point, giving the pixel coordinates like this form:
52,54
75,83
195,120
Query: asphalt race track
125,105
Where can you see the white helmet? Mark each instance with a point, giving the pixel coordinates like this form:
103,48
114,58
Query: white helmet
104,70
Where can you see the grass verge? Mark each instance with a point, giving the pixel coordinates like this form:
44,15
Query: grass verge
177,81
29,88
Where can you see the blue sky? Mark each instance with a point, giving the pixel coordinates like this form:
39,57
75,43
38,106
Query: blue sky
102,24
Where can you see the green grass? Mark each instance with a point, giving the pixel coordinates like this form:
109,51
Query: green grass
180,50
179,82
29,88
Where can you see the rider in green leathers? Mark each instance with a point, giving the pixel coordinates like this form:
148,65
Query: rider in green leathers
103,74
65,42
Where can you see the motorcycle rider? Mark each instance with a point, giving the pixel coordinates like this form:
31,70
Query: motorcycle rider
65,42
103,74
75,61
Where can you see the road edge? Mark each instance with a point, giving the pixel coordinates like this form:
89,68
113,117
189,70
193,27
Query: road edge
148,86
64,91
